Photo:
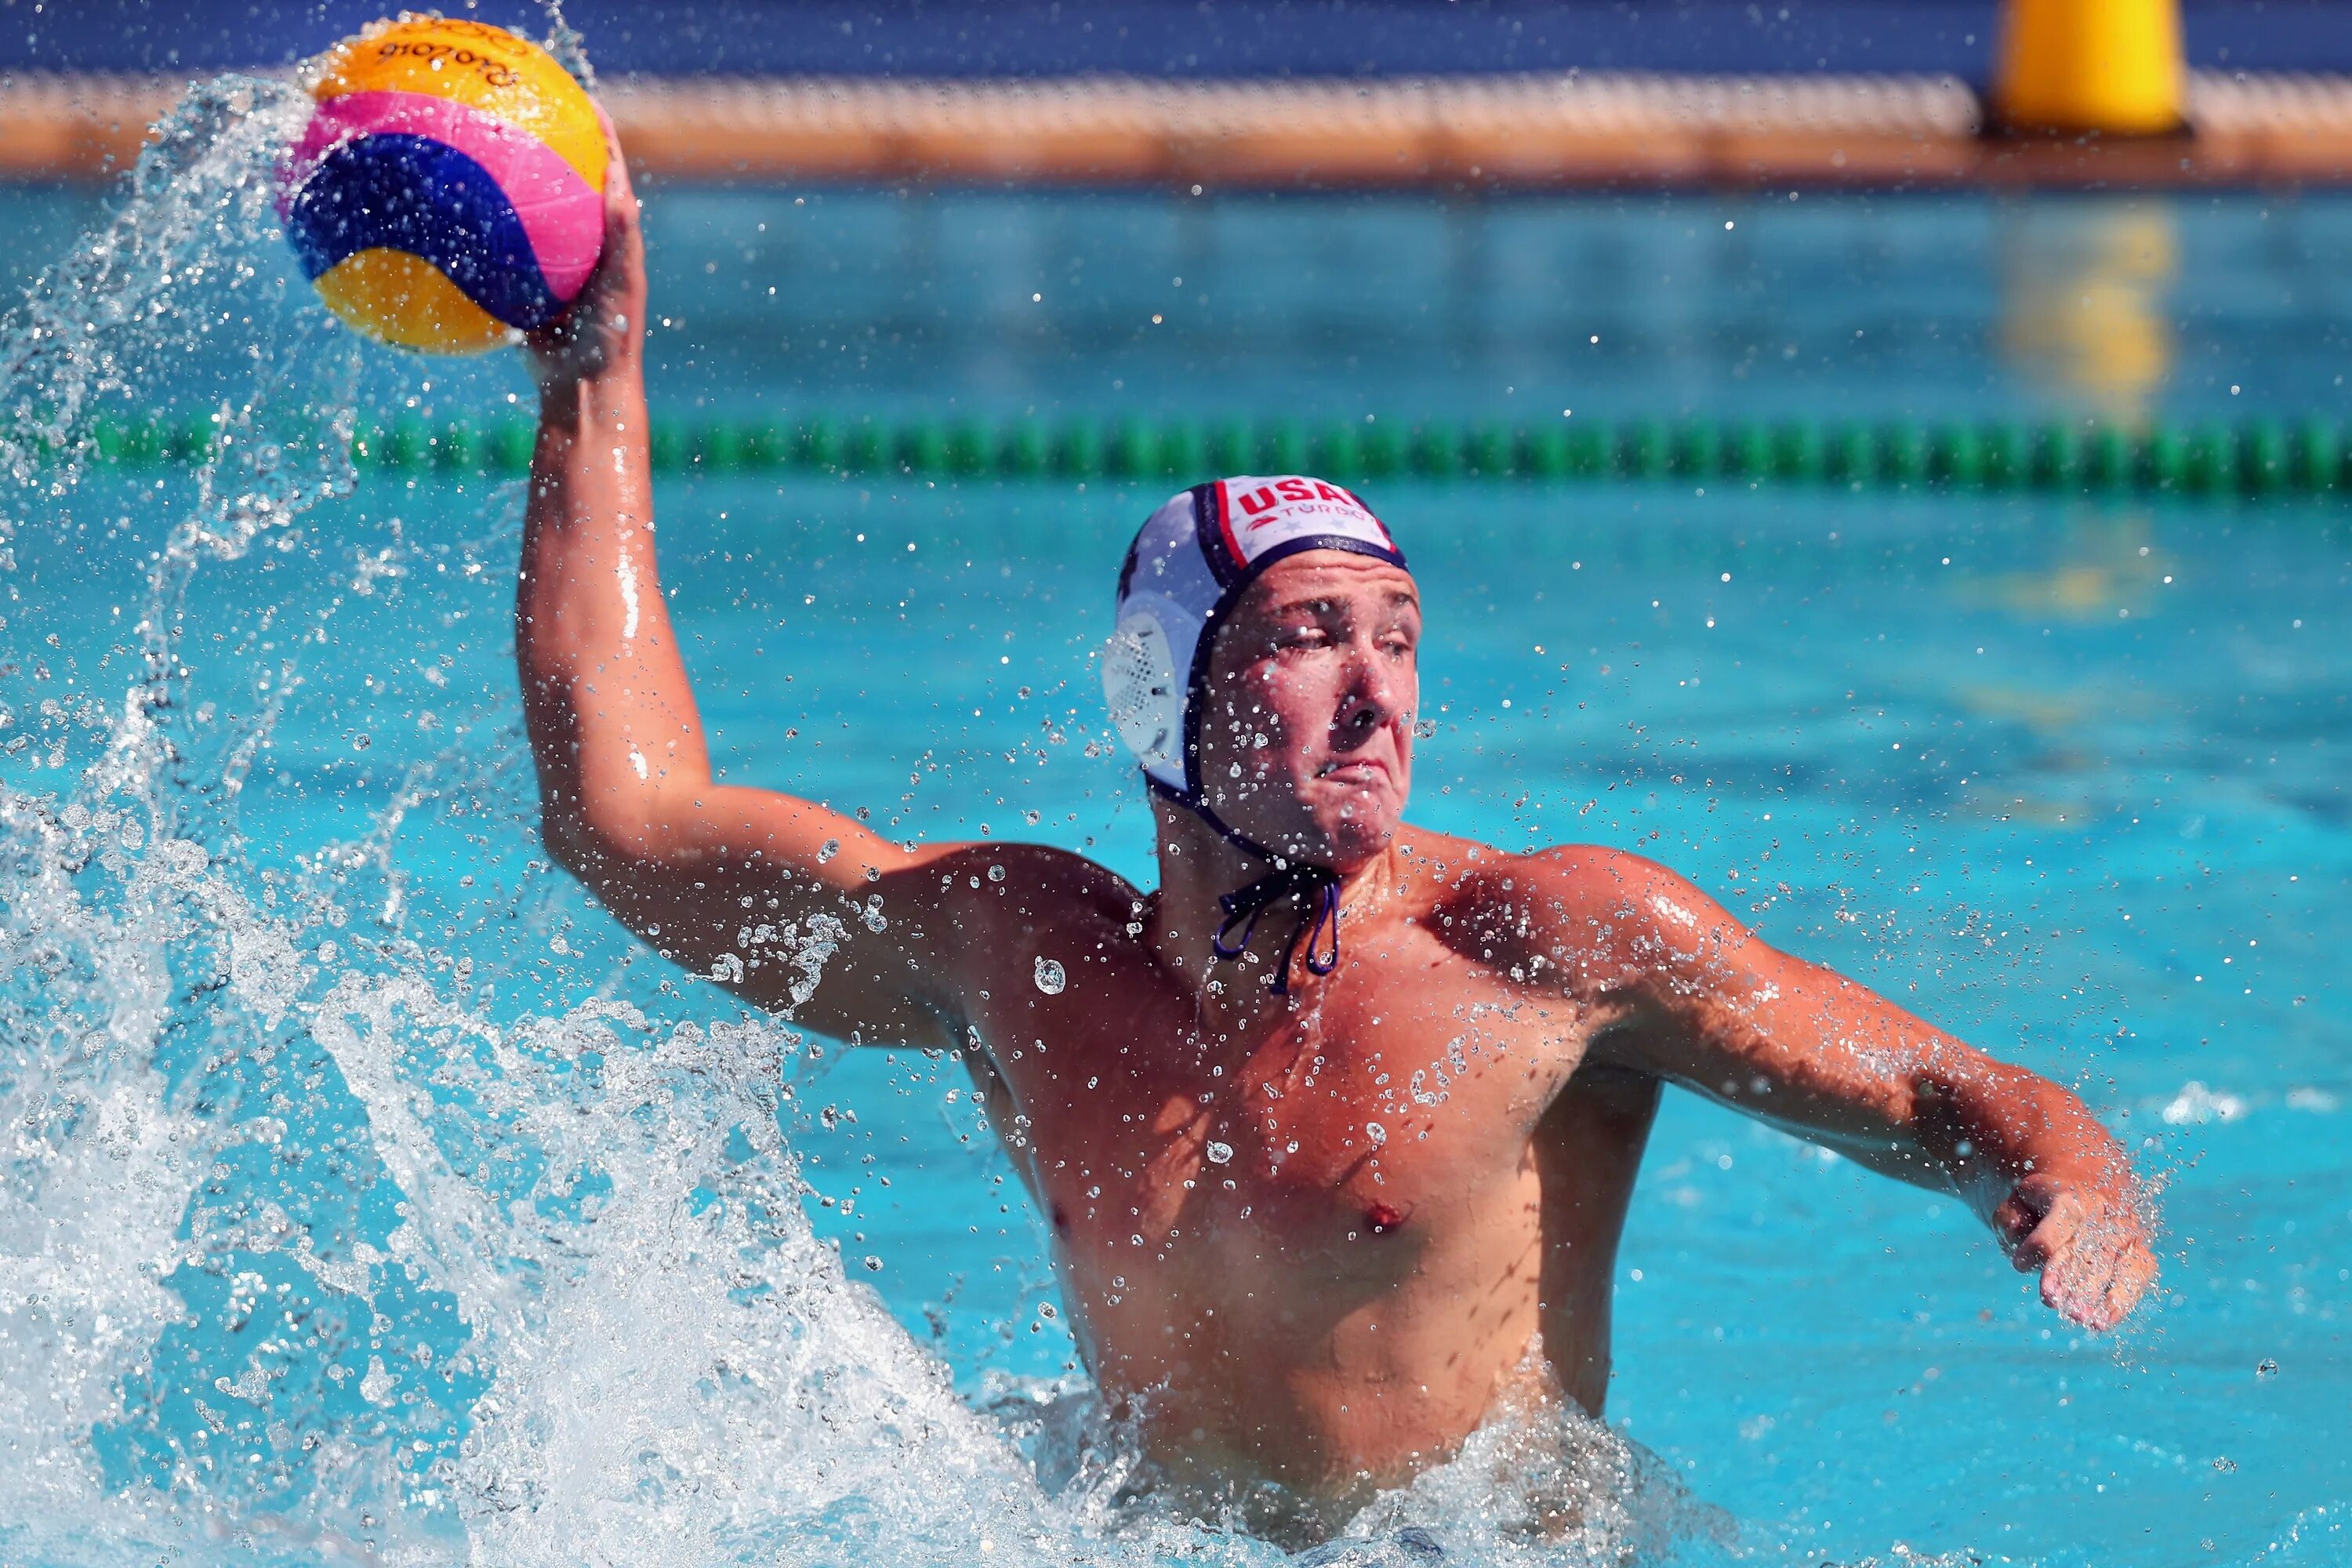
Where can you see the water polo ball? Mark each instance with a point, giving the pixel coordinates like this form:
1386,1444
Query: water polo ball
447,193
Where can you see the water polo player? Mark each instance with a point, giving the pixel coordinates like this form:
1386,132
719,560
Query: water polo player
1335,1128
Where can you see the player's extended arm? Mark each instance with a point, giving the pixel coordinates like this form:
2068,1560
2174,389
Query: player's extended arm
757,888
1704,1002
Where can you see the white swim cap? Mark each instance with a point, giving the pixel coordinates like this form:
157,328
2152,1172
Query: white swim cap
1189,565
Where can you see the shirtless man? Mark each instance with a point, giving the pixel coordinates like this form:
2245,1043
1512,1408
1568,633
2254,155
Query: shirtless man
1342,1120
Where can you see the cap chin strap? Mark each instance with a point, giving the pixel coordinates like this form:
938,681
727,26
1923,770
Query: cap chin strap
1319,885
1244,905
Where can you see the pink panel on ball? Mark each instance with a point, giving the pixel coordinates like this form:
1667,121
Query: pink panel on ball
563,215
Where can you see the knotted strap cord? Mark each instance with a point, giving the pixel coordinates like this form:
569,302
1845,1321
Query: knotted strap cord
1245,905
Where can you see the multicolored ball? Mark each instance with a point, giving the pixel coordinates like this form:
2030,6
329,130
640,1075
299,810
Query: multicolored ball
448,193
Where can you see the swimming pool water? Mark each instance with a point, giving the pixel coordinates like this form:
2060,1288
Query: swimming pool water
1906,305
1860,305
369,1193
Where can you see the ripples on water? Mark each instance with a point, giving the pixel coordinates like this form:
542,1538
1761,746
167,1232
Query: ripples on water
339,1221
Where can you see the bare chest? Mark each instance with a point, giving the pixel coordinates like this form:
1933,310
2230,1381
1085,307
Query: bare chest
1381,1111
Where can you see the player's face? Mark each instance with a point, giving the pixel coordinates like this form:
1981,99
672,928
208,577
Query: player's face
1307,738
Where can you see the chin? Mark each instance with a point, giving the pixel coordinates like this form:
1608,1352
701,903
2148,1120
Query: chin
1324,821
1360,825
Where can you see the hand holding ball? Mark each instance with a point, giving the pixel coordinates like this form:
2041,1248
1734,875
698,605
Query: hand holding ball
448,193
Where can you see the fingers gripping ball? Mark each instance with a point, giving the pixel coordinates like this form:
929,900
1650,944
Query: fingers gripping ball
448,193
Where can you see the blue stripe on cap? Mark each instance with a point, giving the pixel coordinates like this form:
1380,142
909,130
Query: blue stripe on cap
423,196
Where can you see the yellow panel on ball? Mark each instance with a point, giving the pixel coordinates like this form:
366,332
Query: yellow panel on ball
482,67
396,297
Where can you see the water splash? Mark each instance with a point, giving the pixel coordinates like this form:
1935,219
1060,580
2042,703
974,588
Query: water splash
566,43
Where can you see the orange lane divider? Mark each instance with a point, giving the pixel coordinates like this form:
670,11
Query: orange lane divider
1579,130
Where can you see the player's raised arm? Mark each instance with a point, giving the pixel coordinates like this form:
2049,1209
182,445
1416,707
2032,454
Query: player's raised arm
1703,1002
763,890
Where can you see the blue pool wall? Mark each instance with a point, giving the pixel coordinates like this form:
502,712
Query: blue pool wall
1171,37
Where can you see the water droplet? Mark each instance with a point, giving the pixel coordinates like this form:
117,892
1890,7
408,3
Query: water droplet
832,847
996,873
1376,1132
2268,1368
873,1264
1220,1153
377,1385
1050,977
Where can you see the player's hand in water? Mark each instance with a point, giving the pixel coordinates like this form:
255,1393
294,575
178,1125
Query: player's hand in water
2082,1231
607,323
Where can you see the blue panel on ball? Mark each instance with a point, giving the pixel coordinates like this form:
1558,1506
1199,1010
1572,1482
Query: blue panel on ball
413,193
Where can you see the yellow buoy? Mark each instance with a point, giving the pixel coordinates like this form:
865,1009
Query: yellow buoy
2110,65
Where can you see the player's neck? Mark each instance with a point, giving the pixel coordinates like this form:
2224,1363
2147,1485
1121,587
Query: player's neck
1199,866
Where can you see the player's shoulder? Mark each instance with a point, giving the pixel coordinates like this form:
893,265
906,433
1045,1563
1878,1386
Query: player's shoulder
1027,885
1612,900
1591,872
1044,943
1585,893
1577,875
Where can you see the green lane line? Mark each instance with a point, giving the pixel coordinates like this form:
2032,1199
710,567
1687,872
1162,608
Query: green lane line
2254,459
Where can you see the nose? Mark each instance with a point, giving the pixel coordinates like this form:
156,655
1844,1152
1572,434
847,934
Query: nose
1373,697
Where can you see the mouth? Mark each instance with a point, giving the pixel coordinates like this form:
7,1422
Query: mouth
1360,771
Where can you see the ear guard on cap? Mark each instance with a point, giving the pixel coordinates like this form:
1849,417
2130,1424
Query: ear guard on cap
1146,693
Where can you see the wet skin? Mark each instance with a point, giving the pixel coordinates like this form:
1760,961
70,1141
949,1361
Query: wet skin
1308,1239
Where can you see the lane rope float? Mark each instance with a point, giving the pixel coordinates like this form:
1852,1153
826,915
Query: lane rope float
2249,458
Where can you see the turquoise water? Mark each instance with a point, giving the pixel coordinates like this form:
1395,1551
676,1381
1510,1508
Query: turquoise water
1852,306
369,1196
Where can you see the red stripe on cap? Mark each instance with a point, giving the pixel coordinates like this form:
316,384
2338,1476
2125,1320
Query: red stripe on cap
1225,524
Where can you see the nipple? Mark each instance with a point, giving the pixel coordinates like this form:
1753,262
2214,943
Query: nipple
1383,1218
